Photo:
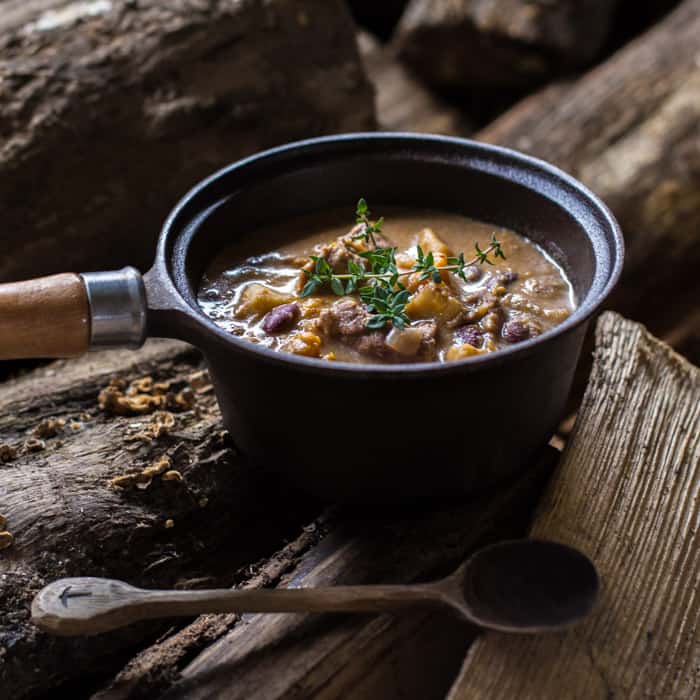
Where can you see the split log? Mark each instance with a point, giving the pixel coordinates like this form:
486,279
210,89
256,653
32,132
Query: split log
332,656
60,453
630,130
111,111
496,45
401,103
626,494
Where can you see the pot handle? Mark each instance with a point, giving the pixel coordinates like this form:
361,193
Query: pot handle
68,314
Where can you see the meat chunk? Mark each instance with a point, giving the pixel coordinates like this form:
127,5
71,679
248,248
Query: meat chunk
344,318
347,248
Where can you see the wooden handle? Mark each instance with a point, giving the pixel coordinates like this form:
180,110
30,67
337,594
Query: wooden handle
75,606
44,317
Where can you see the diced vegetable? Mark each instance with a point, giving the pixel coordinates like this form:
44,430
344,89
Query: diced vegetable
308,344
459,352
257,300
431,243
435,302
406,341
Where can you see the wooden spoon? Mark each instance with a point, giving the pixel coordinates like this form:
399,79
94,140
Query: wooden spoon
514,586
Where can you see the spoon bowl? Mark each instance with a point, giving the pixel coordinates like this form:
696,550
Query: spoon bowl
525,586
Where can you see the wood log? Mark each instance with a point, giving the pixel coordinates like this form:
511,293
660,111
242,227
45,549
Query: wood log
144,486
626,494
111,111
497,45
331,656
403,104
630,130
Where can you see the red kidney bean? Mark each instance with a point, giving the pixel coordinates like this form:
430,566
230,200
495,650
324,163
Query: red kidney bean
281,318
515,331
469,335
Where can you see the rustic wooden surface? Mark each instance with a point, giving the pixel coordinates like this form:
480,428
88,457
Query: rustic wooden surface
111,111
626,493
401,102
497,44
304,656
67,518
630,129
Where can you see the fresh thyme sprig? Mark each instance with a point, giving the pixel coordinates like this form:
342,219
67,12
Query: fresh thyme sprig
384,295
369,229
386,304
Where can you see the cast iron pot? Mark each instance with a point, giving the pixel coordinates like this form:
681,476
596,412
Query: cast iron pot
374,433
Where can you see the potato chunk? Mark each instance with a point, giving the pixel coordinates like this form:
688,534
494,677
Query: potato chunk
459,352
303,343
431,243
433,301
257,300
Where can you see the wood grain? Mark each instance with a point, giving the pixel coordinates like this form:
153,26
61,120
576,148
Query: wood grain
331,656
68,520
627,494
44,317
470,44
111,111
630,130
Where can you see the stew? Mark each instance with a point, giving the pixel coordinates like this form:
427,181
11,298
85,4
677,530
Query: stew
418,286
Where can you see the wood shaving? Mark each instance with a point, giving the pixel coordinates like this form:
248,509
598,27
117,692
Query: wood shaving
162,422
143,396
34,445
142,479
172,475
7,452
49,427
6,539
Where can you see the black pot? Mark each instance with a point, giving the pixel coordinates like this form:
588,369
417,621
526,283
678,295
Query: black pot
393,433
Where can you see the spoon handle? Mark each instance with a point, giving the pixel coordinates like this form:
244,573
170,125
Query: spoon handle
93,605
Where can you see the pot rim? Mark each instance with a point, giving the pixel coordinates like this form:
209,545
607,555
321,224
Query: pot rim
496,160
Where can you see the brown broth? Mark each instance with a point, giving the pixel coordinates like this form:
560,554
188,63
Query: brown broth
538,299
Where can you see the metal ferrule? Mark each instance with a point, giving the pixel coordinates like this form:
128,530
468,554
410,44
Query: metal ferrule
117,308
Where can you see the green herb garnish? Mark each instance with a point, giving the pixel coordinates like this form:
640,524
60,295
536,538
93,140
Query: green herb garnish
368,228
383,295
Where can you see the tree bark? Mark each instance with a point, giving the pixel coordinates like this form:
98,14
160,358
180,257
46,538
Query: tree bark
628,500
111,110
630,130
75,498
464,45
331,656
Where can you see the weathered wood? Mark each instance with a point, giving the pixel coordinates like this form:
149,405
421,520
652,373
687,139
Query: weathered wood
630,129
626,493
301,655
464,45
184,511
111,111
403,104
